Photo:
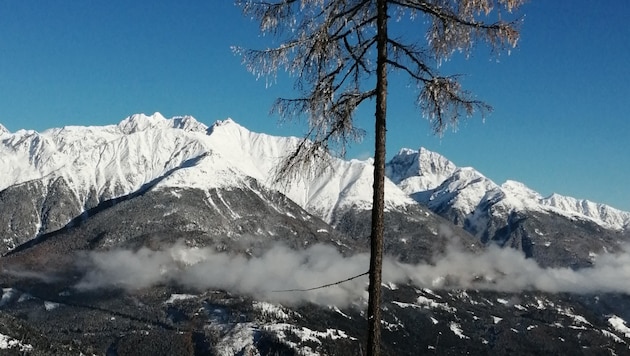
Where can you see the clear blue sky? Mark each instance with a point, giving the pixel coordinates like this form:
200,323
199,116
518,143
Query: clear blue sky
561,121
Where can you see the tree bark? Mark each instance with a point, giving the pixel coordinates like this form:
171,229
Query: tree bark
378,202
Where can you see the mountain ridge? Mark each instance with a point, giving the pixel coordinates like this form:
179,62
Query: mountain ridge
102,162
465,188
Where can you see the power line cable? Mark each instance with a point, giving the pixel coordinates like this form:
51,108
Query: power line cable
323,286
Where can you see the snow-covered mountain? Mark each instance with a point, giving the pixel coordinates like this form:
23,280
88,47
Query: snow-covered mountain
345,184
421,170
118,159
436,182
97,164
101,163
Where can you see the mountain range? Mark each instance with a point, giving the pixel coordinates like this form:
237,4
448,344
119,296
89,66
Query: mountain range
102,163
76,203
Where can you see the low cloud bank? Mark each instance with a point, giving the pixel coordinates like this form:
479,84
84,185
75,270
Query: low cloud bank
507,269
281,268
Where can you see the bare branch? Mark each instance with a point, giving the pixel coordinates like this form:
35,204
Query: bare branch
455,25
443,101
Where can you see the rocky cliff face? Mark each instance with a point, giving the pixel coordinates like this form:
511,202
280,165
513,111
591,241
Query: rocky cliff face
33,208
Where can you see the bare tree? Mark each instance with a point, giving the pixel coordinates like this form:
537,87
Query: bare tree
341,52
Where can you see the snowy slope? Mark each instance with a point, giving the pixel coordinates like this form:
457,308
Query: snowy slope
346,184
609,216
433,180
115,160
107,161
464,190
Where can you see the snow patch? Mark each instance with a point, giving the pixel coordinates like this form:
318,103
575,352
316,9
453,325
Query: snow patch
305,335
7,342
578,319
273,310
612,336
619,325
239,340
426,303
177,297
457,330
336,309
48,305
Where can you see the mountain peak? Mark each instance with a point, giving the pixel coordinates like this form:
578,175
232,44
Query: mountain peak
3,130
224,124
187,123
520,190
141,122
419,170
227,121
407,151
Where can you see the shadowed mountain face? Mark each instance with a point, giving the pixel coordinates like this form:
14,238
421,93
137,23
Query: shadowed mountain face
34,208
166,237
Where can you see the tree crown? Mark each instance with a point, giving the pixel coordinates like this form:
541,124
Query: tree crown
329,46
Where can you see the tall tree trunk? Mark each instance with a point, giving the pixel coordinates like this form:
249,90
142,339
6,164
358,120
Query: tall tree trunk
378,202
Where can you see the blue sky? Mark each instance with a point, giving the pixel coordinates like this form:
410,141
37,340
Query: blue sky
560,121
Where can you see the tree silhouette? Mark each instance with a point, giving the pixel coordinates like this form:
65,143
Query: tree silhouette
340,52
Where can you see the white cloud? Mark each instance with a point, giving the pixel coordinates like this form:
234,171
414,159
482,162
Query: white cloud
281,268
